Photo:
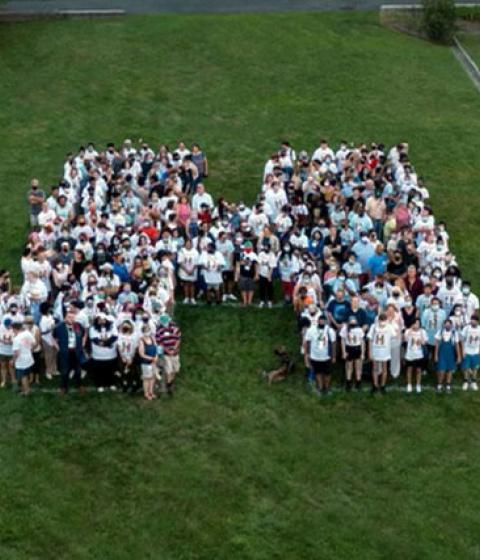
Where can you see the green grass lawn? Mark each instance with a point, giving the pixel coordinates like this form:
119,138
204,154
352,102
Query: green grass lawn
230,469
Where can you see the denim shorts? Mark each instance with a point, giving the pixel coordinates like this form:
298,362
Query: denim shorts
20,373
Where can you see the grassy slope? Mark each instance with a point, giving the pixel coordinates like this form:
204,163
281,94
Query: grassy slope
229,469
471,42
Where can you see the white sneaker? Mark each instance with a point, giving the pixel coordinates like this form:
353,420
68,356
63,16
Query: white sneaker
224,298
48,376
465,386
186,300
418,389
193,301
231,297
409,388
270,305
474,386
113,388
261,304
101,389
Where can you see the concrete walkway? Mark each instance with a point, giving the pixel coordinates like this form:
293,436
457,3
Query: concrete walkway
192,6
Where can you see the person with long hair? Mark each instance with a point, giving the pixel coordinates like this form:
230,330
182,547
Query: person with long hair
447,355
148,352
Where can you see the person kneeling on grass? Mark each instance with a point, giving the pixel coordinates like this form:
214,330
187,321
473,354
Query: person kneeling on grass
380,351
470,351
353,352
447,355
320,352
416,339
287,366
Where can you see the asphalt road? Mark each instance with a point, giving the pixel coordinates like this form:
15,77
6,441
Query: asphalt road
195,6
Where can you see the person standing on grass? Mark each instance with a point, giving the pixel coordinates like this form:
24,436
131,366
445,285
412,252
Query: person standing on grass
447,355
6,353
70,339
380,351
37,367
267,261
127,345
103,339
432,320
188,270
22,346
320,353
212,263
416,339
168,337
148,352
47,326
36,198
471,351
246,272
352,339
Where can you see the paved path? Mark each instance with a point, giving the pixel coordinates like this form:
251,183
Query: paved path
194,6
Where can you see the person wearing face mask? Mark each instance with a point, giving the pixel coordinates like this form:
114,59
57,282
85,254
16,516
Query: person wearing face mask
319,349
380,351
415,338
127,345
338,309
470,341
287,272
447,355
267,262
246,273
212,263
449,295
458,318
364,249
352,339
103,338
470,303
352,269
432,320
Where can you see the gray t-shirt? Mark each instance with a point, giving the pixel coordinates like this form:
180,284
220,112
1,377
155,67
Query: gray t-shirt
35,209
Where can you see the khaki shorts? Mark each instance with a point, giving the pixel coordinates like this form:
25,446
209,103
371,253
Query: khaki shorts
171,364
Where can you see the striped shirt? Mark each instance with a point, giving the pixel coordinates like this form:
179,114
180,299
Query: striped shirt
169,338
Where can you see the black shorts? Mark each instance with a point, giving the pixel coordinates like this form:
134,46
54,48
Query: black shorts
416,364
353,353
228,276
321,368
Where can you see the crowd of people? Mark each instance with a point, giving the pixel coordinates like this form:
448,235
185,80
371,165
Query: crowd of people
348,235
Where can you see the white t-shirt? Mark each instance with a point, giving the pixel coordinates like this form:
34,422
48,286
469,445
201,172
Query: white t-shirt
320,340
6,340
189,259
47,324
415,340
127,345
353,336
213,264
381,341
471,340
266,262
103,352
23,343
